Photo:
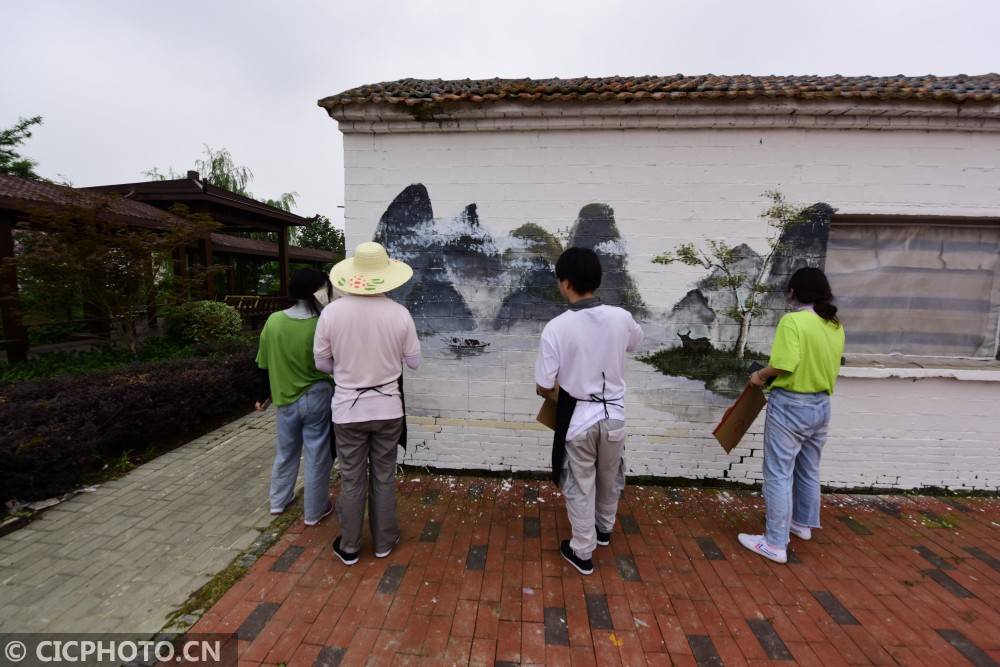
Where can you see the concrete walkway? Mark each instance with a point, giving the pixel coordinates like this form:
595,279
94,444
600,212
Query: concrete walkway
127,555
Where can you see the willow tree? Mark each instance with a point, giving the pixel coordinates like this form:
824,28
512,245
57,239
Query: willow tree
729,272
218,168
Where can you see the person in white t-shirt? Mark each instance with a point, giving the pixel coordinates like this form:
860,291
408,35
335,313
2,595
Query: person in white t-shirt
582,352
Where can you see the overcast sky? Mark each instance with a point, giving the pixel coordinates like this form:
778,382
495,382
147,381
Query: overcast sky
125,86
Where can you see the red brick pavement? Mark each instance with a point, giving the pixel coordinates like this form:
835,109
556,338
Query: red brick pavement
477,579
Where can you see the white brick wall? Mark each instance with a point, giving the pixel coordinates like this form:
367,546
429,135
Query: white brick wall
668,186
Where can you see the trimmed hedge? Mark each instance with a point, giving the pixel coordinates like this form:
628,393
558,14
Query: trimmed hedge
59,431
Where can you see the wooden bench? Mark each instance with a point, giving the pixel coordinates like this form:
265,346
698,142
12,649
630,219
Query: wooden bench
255,309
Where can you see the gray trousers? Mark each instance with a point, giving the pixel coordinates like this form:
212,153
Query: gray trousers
593,478
367,455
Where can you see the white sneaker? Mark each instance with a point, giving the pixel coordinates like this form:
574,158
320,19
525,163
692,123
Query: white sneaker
756,544
275,511
801,532
383,554
329,509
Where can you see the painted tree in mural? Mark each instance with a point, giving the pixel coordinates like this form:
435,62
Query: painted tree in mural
748,283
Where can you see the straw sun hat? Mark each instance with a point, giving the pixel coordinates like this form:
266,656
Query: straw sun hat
369,271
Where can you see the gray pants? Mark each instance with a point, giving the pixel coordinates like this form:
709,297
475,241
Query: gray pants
367,455
304,428
593,478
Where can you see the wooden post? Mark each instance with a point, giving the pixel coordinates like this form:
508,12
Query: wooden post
283,261
206,260
151,302
10,301
231,276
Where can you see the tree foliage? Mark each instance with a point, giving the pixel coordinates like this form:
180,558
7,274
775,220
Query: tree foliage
115,267
727,271
320,234
12,162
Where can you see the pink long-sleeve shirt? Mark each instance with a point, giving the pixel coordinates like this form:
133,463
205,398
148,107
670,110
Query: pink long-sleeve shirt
364,341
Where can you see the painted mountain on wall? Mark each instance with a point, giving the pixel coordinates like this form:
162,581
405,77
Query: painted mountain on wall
464,279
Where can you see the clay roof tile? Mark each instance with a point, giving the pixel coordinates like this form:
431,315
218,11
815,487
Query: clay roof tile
958,88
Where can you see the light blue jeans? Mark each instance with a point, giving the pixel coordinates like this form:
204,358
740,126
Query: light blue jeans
794,434
304,426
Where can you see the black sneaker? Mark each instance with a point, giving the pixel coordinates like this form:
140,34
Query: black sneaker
603,539
347,558
582,566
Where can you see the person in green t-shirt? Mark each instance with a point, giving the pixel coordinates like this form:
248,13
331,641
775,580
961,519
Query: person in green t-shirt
302,395
805,359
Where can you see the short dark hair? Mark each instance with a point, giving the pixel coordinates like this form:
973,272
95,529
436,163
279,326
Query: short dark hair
304,285
581,267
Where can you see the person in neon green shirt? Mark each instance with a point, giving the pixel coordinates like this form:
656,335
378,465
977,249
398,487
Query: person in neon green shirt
805,359
302,395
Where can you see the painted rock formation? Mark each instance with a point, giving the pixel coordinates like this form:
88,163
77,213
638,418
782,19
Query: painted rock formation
595,229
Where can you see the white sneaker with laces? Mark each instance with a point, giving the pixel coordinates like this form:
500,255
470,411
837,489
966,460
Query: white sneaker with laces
800,531
756,544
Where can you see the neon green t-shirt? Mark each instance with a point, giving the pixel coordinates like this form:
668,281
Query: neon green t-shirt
810,349
286,351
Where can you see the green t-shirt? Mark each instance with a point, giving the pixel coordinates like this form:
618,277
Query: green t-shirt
810,349
286,351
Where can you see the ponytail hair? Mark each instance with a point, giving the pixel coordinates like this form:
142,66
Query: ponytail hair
809,286
304,285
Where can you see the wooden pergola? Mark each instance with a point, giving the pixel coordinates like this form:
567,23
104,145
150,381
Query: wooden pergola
234,212
142,205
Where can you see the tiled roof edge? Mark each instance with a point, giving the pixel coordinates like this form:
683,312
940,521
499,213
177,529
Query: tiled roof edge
959,88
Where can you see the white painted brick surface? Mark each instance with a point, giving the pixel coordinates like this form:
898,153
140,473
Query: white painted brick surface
667,187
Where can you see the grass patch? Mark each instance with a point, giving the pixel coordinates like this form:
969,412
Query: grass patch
720,370
205,597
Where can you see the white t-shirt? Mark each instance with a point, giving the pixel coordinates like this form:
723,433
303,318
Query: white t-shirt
580,345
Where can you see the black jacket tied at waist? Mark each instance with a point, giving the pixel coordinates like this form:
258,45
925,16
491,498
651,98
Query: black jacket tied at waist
378,390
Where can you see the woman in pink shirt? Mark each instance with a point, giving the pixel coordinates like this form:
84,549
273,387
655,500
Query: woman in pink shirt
364,338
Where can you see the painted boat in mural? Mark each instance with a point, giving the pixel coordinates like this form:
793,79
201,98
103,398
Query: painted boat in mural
465,344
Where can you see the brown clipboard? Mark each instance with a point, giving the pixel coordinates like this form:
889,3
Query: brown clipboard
739,417
547,413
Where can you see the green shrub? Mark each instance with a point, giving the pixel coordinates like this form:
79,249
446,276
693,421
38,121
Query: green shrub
202,323
44,334
60,432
